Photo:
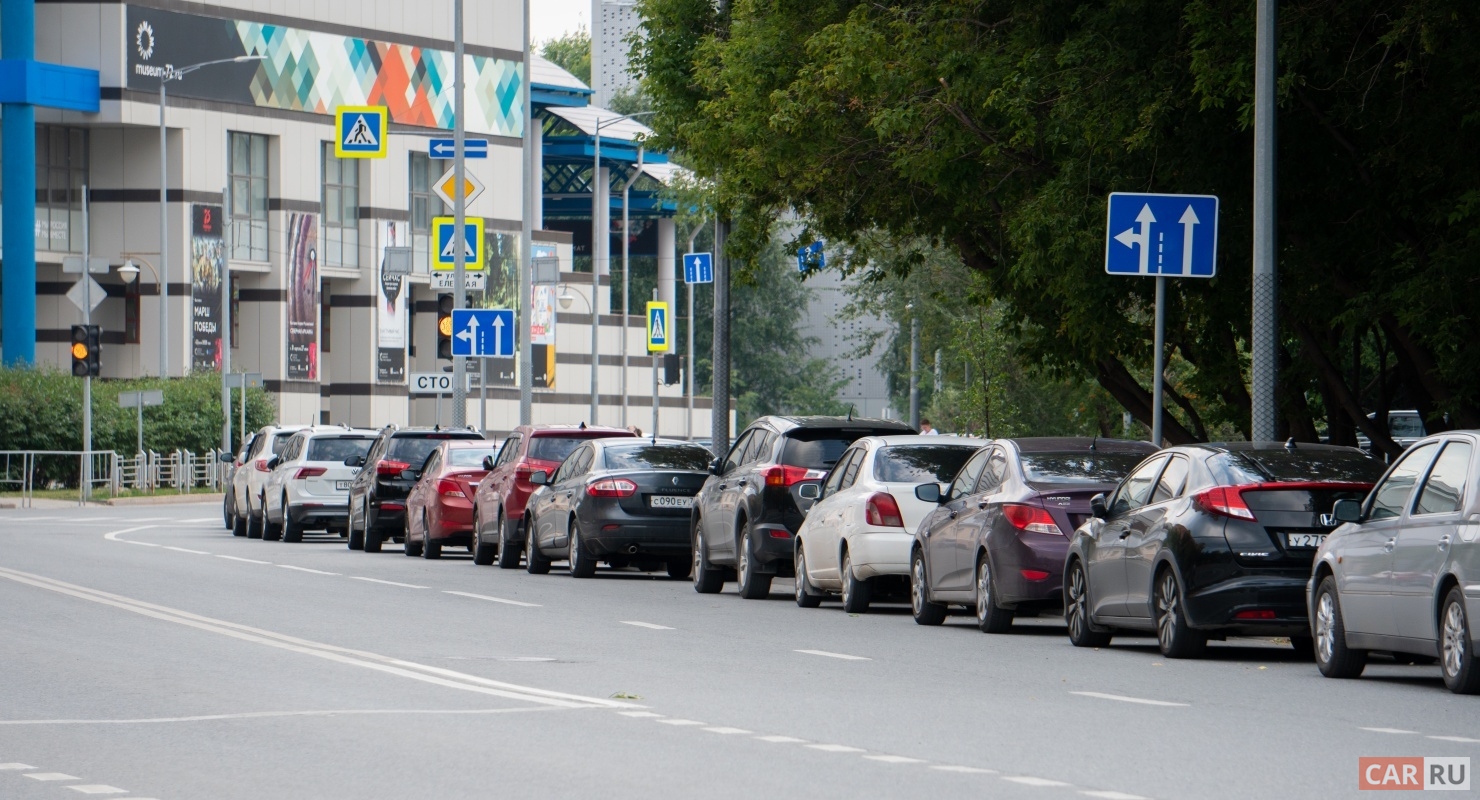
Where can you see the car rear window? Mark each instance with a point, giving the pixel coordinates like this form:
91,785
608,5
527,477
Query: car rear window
1282,465
820,449
921,463
1078,467
280,440
556,448
338,448
657,456
470,456
415,449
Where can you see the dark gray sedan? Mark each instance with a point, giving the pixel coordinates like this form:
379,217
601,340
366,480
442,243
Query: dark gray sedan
623,501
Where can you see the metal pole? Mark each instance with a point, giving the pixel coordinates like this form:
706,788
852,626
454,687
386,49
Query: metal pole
688,426
244,408
141,421
226,314
654,358
533,182
937,372
914,368
87,381
459,215
1159,365
627,277
719,412
1265,330
164,241
595,265
483,395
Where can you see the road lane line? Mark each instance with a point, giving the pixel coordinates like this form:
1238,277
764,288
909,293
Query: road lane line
648,625
639,714
112,536
1111,795
835,748
1123,699
15,766
493,599
264,715
679,722
306,569
896,759
387,583
1387,730
52,776
720,729
1028,780
98,788
1460,739
964,770
141,544
780,739
185,550
244,560
826,654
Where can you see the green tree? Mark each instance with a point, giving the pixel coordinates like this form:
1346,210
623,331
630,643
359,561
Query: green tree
572,53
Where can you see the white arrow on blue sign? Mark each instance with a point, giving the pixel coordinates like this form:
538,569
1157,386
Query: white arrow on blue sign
811,257
1165,235
447,148
483,332
698,268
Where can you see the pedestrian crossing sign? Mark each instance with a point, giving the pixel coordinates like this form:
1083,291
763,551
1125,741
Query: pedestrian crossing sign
445,256
657,328
360,131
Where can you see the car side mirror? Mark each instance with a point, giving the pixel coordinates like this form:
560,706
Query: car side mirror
809,491
488,462
930,493
539,478
354,461
410,475
1347,511
716,466
1097,506
227,458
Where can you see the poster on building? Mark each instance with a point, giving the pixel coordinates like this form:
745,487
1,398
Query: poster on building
303,305
501,252
207,265
390,305
542,326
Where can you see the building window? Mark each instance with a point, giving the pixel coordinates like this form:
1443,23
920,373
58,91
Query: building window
424,205
131,312
248,213
236,314
341,245
324,318
61,172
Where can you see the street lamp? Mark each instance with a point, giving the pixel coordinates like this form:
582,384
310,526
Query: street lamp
164,218
565,298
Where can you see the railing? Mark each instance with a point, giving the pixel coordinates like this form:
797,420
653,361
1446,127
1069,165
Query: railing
97,472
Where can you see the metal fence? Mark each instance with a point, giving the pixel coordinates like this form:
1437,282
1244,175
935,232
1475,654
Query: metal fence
98,472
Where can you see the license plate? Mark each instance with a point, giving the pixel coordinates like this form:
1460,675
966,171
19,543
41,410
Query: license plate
342,486
1304,539
661,501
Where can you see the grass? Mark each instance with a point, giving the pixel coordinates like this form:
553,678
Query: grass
98,494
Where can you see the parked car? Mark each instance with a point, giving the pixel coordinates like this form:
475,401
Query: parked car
439,509
308,487
1207,541
1405,427
248,483
855,540
623,501
377,495
1400,574
750,508
996,540
233,463
498,510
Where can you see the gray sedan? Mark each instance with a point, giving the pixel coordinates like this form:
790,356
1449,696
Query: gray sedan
1403,573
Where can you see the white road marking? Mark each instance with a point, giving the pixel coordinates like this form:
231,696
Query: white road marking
15,766
306,569
387,583
244,560
200,519
1387,730
780,739
185,550
826,654
646,625
1122,698
112,536
1110,795
1461,739
726,731
98,788
141,544
52,776
260,715
639,714
836,748
964,770
680,722
1028,780
896,759
493,599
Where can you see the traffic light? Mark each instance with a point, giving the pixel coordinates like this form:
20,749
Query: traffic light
87,351
444,326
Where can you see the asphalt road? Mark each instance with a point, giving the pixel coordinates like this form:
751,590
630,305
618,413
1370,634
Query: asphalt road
146,653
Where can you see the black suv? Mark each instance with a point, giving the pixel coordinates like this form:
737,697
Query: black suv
748,512
377,498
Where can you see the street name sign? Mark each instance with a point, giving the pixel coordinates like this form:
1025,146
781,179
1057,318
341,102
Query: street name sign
360,131
445,255
430,383
483,332
154,397
1162,235
442,149
698,268
657,327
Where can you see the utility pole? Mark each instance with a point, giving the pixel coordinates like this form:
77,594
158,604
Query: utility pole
688,428
719,412
1265,329
459,215
627,274
914,366
226,314
87,281
532,184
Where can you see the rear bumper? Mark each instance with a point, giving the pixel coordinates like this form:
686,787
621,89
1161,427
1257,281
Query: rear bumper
316,515
880,552
454,522
1216,607
664,539
1029,568
773,546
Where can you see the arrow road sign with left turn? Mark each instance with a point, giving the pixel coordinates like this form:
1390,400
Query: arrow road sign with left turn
1164,235
483,332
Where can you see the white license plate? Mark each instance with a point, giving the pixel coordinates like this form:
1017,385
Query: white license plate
342,486
1304,539
660,501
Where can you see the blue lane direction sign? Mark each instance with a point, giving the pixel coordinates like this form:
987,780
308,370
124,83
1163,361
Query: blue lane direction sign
698,268
1165,235
811,257
447,148
483,332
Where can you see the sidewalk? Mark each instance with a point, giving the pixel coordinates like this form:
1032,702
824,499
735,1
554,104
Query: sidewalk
145,500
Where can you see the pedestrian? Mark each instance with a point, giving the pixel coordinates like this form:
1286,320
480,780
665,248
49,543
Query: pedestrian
926,429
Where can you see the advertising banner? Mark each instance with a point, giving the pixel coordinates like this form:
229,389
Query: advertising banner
542,326
390,320
303,305
207,266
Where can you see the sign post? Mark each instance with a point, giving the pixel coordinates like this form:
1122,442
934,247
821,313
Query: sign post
138,400
658,341
243,381
1161,235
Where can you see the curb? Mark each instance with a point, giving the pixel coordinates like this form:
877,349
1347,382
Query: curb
167,499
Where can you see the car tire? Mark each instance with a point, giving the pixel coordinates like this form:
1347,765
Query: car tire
708,579
508,551
1076,609
430,550
292,533
582,565
356,538
1175,637
990,618
411,549
1457,656
857,593
238,525
680,568
922,608
807,597
373,538
254,524
1333,657
227,512
271,531
536,562
483,554
753,584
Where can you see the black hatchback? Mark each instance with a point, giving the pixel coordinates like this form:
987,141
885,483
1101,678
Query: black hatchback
748,513
1207,541
377,497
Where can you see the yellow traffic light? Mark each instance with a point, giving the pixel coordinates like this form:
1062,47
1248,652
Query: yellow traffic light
444,326
79,351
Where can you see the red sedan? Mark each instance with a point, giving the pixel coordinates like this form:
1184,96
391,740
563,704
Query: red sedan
439,510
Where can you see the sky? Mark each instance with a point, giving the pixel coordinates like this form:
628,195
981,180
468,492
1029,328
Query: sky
550,19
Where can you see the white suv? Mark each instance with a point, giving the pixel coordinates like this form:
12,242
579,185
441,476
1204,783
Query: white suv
308,486
251,476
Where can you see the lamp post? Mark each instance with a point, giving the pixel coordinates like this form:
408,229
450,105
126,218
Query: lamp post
164,217
627,274
565,298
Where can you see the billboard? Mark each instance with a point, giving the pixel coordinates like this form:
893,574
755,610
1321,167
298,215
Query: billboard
303,305
207,266
390,307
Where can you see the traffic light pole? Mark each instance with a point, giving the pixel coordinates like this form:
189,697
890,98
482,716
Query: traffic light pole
459,214
86,472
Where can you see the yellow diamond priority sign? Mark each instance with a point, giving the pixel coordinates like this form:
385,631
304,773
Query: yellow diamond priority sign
446,187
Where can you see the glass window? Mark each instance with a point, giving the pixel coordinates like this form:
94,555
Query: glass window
248,212
656,456
815,452
341,207
737,453
554,448
1405,426
1390,497
414,449
279,442
1137,488
1173,480
1445,486
836,475
509,451
338,448
424,204
968,475
850,472
61,172
1078,467
131,308
469,456
995,473
920,463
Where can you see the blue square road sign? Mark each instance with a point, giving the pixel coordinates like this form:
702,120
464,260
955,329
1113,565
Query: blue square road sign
698,268
1165,235
483,332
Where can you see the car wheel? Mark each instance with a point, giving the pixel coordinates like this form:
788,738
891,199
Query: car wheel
989,617
292,533
508,551
238,525
373,538
271,531
254,524
708,579
857,593
1076,610
924,611
356,538
227,512
535,562
1333,657
483,554
1176,638
1461,674
412,549
753,584
680,568
582,565
430,549
806,596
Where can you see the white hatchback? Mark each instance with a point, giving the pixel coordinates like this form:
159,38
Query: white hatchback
251,476
308,487
861,527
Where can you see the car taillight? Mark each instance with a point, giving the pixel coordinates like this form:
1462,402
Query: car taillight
782,476
882,511
391,468
448,488
1031,518
1034,574
308,472
1258,613
1226,501
612,487
261,465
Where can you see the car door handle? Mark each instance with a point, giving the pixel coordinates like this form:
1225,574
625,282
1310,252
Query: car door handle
1444,542
1388,548
1125,534
982,504
740,482
954,514
722,487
